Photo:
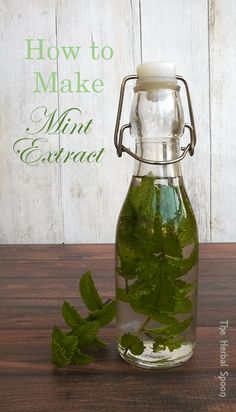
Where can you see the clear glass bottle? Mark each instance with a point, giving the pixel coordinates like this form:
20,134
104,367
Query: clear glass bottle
156,239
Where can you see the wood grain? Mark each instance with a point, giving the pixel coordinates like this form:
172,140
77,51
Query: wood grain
30,207
93,193
34,282
178,31
223,113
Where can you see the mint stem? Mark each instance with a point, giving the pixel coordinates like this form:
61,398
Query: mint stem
147,334
141,329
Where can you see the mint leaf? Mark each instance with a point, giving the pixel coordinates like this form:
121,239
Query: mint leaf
174,328
89,292
63,347
97,343
68,348
69,344
87,332
162,343
181,326
128,261
104,315
59,358
144,209
71,315
57,335
170,242
132,343
79,358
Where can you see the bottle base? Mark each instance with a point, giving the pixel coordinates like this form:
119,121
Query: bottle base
160,360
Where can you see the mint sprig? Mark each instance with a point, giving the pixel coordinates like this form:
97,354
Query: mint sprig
155,225
132,343
69,348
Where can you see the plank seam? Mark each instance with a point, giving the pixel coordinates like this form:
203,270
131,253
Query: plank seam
59,134
140,32
209,91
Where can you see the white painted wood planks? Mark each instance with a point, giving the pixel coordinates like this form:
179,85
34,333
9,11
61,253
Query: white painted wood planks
79,203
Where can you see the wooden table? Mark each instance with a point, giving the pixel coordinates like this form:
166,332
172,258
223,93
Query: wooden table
35,280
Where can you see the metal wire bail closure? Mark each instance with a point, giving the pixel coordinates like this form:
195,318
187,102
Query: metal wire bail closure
119,132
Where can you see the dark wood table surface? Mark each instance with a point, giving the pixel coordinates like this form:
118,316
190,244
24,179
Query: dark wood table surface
35,280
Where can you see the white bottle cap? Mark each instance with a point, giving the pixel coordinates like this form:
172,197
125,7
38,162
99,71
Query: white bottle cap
157,71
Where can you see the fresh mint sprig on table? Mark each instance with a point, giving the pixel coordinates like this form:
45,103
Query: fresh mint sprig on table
69,348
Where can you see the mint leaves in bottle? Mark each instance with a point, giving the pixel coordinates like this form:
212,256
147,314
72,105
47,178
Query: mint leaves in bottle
156,239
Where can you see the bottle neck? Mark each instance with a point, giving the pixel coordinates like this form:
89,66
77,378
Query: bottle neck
158,151
157,124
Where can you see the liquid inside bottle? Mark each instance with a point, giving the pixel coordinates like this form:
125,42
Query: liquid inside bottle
157,251
156,240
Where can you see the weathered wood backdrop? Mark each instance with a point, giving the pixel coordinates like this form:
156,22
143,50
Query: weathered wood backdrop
55,203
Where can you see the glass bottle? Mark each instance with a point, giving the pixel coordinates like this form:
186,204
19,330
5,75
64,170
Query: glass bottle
156,237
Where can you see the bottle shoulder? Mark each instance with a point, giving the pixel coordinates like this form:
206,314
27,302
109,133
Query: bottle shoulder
158,207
